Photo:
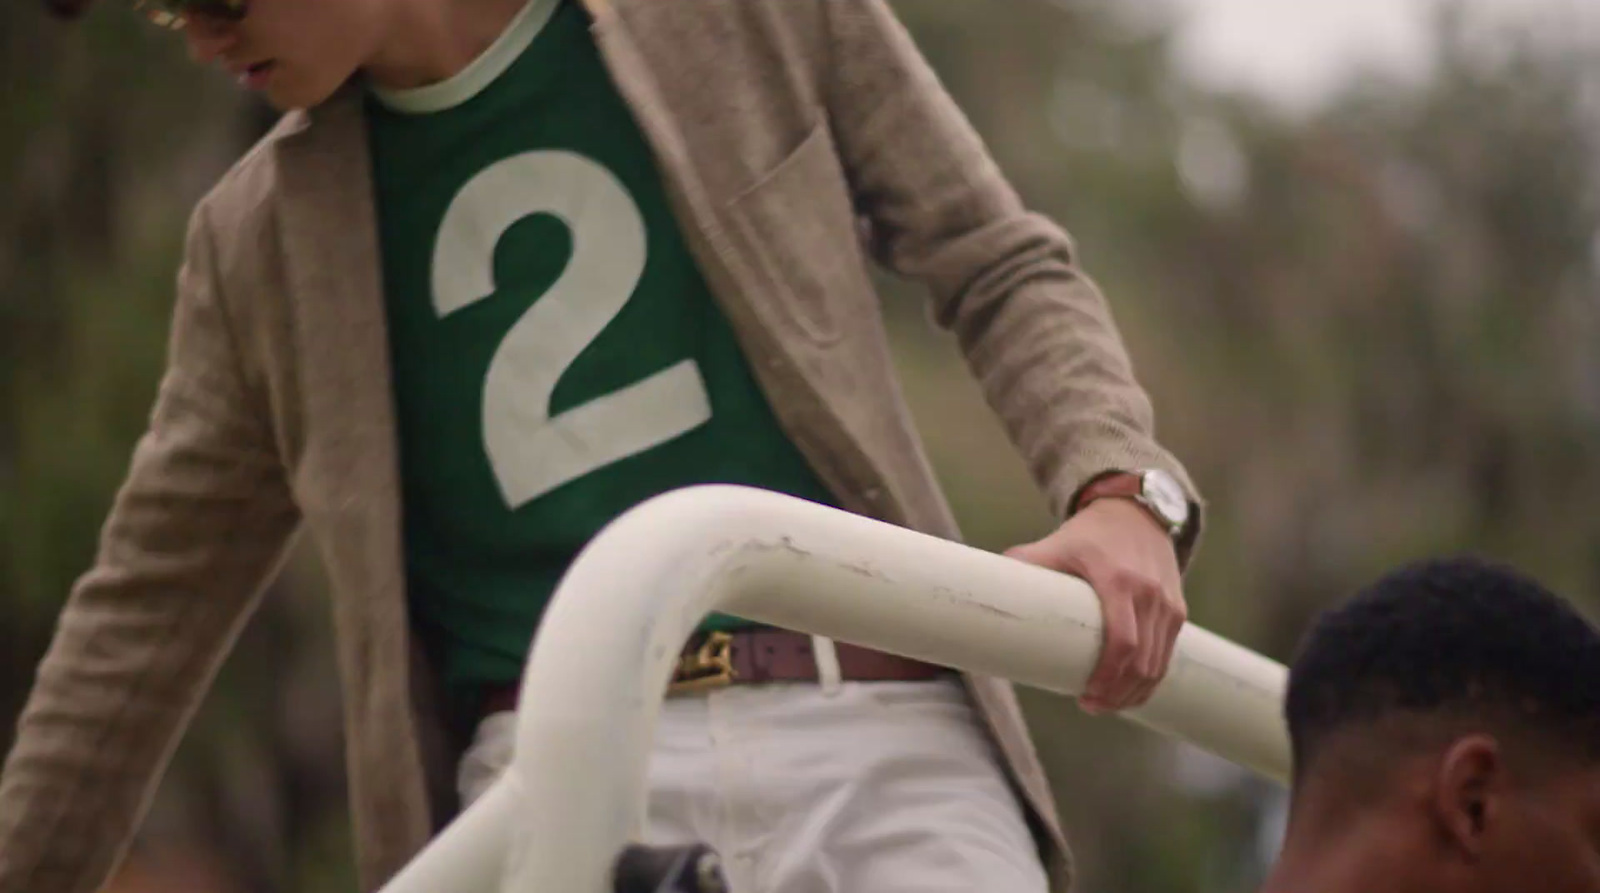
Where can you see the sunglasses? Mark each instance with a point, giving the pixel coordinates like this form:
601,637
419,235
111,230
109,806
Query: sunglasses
175,14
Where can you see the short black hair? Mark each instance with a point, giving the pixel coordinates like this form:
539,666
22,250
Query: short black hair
1460,637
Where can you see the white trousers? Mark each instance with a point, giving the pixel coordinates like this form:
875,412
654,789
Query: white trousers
881,787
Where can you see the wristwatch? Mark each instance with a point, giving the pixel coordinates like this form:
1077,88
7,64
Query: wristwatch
1157,491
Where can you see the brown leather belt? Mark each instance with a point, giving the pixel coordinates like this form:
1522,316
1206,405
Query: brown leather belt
754,656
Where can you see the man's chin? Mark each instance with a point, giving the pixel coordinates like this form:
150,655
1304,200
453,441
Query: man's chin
293,98
287,103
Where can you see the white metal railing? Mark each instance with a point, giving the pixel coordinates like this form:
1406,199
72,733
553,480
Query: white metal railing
575,793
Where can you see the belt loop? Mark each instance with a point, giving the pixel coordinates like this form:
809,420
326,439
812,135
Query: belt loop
829,675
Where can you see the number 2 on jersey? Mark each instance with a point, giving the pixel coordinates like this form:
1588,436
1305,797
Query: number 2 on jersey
530,451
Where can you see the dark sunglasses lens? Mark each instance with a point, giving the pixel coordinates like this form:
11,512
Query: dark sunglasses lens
174,13
216,9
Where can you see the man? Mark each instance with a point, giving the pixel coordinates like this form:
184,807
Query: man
1445,727
509,267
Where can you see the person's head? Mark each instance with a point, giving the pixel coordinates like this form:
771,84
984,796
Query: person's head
297,53
1445,722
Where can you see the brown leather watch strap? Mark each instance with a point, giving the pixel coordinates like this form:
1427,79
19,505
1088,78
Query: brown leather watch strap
1117,485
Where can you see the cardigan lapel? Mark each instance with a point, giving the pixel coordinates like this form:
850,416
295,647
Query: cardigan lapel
349,479
331,257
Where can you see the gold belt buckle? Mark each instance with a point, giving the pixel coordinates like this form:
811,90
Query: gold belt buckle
709,667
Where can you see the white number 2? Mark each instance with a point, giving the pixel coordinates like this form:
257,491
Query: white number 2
530,451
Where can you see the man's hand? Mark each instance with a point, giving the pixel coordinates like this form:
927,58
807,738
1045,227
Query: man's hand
1129,560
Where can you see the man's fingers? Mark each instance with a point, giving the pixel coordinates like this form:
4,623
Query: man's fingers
1119,649
1168,623
1142,593
1153,627
1140,620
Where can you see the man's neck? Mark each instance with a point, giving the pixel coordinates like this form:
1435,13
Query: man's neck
1356,861
1297,872
428,41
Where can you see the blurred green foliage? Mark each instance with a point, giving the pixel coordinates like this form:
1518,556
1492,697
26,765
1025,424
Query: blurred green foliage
1368,330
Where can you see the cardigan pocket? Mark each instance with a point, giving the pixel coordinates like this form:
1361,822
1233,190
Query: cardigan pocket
797,227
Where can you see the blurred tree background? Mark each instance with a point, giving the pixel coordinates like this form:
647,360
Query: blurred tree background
1368,329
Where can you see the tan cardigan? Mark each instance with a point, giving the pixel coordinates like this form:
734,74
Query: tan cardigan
779,126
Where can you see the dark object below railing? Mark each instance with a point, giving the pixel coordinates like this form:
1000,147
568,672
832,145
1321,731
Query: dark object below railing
688,869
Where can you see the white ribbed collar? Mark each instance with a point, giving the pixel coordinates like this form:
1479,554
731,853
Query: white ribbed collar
480,73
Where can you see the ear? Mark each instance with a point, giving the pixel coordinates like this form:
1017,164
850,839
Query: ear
1468,792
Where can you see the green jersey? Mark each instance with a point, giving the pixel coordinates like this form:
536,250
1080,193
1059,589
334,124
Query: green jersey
557,356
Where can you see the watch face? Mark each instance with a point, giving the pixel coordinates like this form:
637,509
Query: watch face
1166,496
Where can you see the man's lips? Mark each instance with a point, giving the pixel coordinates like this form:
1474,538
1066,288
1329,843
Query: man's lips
254,75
